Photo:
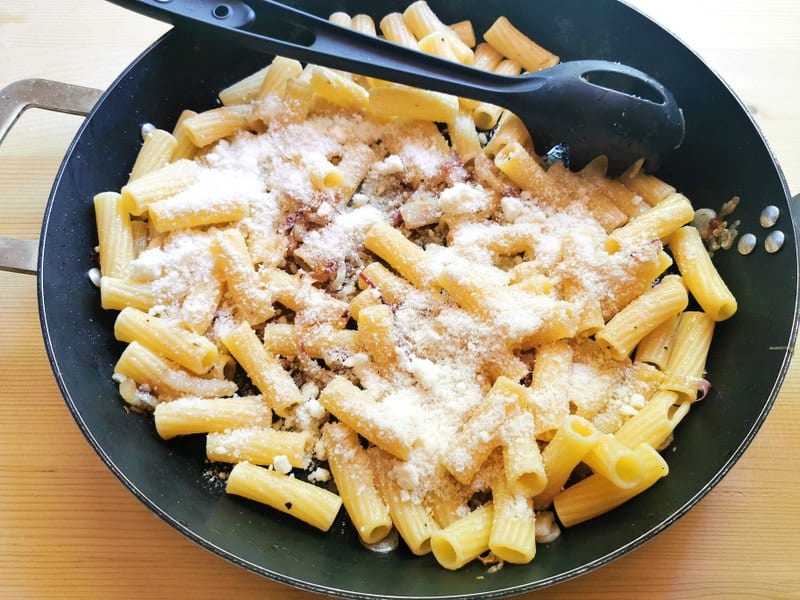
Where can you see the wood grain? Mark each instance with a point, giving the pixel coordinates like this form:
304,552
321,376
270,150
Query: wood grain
69,529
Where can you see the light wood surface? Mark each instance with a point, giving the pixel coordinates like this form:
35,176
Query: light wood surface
68,528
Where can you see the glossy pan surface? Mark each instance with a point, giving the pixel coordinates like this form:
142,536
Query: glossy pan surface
723,155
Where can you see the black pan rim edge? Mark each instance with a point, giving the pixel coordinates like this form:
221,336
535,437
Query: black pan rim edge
794,213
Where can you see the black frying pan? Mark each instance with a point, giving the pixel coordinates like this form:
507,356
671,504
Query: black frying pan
723,155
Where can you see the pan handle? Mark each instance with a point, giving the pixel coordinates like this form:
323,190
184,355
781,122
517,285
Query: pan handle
19,256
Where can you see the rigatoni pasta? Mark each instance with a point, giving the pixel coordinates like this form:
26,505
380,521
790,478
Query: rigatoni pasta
158,185
157,150
302,500
117,293
513,534
184,147
195,352
621,334
595,495
207,127
114,233
464,540
258,445
264,370
395,30
412,103
371,295
188,415
355,480
700,275
515,45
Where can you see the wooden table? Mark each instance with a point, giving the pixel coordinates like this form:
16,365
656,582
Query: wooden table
68,528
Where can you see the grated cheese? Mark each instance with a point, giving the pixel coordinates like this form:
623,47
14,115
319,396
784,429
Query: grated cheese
449,355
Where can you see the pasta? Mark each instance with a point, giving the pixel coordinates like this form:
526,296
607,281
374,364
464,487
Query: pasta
302,500
355,480
379,297
596,495
184,148
157,150
464,540
114,233
515,45
257,445
513,533
701,276
187,415
189,350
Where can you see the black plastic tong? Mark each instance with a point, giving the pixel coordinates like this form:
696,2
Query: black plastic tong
594,107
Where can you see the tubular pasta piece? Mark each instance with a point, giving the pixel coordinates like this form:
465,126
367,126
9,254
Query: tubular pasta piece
513,536
510,129
421,20
403,255
616,462
512,43
181,213
649,187
524,470
184,148
573,440
551,373
411,519
281,70
464,136
436,43
264,370
283,339
412,103
486,115
304,501
156,151
480,433
654,422
621,334
244,285
465,540
395,30
687,360
596,495
185,416
657,223
244,90
213,125
486,57
297,295
654,348
520,167
337,88
160,184
700,274
387,285
465,32
188,349
342,19
114,233
258,445
298,98
363,299
117,293
355,480
377,333
360,412
363,24
166,379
